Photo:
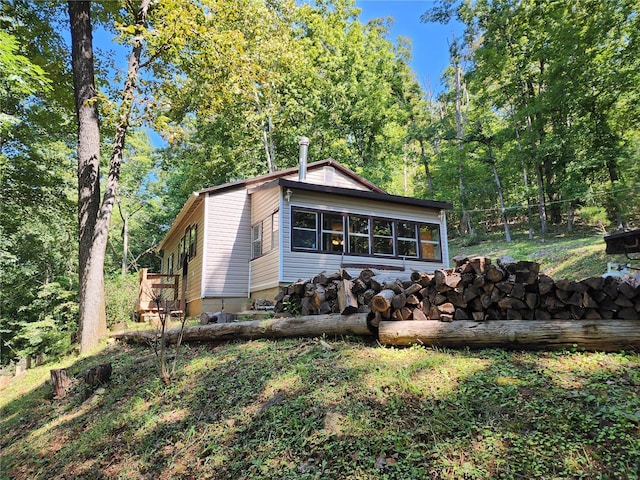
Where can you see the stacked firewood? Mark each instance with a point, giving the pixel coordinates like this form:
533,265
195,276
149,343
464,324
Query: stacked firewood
319,296
475,289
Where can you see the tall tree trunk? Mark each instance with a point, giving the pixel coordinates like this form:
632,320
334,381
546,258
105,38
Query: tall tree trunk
119,140
425,162
94,217
503,213
465,221
541,201
91,309
537,132
525,176
125,243
539,181
267,135
612,168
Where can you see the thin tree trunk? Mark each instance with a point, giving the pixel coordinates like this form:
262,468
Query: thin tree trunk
525,177
405,175
427,171
272,148
125,243
465,220
503,214
539,182
612,168
541,201
267,138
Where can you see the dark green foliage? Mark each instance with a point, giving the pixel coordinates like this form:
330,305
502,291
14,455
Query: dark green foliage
562,81
121,294
37,218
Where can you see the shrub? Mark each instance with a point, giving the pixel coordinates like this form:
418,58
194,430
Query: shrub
594,215
121,294
45,325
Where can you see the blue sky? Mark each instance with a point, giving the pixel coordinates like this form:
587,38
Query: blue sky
430,41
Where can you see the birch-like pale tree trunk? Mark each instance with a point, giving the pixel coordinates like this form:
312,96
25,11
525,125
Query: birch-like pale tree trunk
503,212
465,221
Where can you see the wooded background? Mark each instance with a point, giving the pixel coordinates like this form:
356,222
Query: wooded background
535,130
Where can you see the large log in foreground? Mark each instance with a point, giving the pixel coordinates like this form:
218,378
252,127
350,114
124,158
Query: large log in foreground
307,326
602,335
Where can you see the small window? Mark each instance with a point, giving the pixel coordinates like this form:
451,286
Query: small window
182,251
188,244
407,239
193,241
332,232
382,237
358,234
275,230
430,242
256,240
305,230
170,264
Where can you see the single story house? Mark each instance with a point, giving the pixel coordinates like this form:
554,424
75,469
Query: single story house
244,240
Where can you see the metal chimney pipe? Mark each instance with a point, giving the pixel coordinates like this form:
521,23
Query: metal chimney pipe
304,149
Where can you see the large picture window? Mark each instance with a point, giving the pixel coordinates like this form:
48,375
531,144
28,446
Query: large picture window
340,233
305,230
358,234
383,237
332,232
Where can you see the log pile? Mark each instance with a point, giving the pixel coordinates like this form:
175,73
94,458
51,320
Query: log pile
476,289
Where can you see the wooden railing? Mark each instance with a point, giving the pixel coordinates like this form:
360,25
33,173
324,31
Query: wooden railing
153,285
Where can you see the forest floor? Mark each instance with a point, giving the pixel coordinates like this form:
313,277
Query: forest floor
335,408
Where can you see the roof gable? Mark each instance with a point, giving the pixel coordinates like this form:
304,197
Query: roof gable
256,181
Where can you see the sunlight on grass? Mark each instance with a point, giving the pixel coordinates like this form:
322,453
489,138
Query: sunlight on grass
296,409
286,384
572,257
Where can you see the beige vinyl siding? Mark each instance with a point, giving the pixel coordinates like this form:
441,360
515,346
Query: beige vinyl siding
298,265
264,271
194,270
264,204
265,208
330,177
228,245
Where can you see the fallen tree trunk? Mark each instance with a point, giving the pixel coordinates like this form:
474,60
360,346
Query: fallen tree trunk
605,335
312,325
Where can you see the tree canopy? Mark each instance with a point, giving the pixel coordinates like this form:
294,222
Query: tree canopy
535,126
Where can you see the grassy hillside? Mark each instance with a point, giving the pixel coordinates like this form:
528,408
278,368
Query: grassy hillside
332,409
339,408
574,257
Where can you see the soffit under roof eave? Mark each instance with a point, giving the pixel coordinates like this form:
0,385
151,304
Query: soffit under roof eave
350,192
187,209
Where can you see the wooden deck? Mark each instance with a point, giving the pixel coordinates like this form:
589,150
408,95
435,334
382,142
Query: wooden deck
153,286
